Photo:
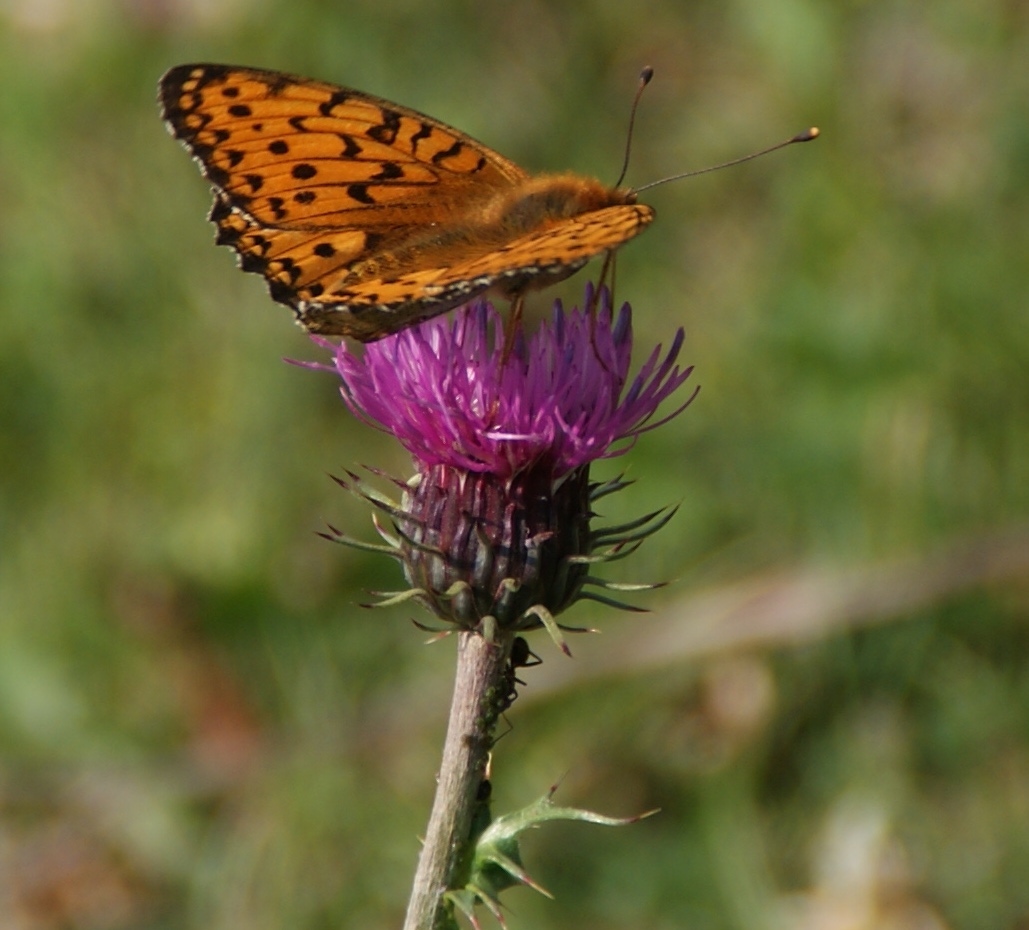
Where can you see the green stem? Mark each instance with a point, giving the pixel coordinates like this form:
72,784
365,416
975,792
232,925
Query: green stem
478,681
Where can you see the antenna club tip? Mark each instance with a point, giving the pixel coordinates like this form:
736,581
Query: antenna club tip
808,134
646,74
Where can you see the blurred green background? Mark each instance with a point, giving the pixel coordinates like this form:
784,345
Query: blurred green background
199,725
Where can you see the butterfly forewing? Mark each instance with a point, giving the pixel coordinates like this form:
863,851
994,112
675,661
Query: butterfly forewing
290,150
366,216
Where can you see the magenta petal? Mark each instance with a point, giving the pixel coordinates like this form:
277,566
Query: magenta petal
443,391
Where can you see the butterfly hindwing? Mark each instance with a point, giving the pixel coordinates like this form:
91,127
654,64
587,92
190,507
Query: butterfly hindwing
550,254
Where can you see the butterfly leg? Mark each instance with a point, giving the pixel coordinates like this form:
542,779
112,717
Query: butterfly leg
609,267
513,327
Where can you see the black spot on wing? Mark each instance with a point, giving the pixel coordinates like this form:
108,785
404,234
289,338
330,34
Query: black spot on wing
217,176
277,205
283,293
390,171
219,210
338,97
251,261
424,132
442,155
351,147
359,192
386,131
276,81
288,267
456,149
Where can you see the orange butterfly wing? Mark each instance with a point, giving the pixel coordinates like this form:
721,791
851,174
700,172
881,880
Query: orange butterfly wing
545,256
365,216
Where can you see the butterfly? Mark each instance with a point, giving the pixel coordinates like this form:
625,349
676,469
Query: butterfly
367,217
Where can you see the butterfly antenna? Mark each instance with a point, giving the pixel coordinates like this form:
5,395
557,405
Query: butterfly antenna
645,76
806,136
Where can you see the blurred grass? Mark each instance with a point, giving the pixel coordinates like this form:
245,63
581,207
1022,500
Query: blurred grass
198,726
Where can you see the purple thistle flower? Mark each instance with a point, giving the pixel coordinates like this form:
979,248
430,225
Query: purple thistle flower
447,394
496,523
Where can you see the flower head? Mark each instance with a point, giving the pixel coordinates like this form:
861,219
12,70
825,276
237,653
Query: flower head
495,526
449,395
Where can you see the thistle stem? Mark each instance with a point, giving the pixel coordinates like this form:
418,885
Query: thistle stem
480,668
